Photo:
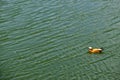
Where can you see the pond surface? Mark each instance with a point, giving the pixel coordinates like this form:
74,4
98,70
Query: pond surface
49,39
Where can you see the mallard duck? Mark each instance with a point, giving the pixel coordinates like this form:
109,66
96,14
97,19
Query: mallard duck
95,50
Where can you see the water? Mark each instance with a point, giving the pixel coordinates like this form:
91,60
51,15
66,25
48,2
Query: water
49,39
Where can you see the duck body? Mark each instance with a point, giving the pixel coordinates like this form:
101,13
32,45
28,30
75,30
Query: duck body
95,50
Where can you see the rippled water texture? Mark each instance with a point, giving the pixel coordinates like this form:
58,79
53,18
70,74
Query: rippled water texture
49,39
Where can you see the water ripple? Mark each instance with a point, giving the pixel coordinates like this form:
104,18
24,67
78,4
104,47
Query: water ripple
49,39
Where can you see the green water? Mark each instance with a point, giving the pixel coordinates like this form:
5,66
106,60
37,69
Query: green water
49,39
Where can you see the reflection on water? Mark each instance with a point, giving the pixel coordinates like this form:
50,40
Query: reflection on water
49,39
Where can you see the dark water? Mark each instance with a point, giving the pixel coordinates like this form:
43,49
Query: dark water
49,39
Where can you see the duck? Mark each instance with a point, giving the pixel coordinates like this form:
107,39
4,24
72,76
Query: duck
95,50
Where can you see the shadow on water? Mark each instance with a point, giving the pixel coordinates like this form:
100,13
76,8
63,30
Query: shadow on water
96,53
